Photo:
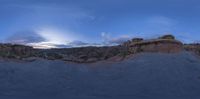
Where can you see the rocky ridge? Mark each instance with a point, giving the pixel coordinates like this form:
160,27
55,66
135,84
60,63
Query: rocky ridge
163,44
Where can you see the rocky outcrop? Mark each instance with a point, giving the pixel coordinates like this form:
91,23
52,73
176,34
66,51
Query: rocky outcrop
165,44
169,37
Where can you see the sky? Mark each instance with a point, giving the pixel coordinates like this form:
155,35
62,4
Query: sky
71,23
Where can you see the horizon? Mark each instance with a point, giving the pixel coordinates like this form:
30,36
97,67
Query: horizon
101,44
72,23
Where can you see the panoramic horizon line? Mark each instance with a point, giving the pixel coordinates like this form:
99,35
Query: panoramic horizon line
77,44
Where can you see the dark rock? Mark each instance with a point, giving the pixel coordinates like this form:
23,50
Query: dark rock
83,57
193,48
136,40
167,37
15,51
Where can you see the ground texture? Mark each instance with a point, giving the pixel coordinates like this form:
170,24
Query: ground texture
144,76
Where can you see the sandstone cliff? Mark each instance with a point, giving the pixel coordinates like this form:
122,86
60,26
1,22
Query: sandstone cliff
164,44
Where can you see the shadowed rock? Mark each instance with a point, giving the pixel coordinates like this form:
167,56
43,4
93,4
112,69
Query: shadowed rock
15,51
167,37
193,48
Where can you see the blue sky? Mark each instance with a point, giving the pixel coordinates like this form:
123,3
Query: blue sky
48,23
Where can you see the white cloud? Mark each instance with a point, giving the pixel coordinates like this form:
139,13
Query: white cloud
42,45
105,36
57,36
47,45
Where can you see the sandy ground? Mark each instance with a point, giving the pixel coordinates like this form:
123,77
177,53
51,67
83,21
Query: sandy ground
147,76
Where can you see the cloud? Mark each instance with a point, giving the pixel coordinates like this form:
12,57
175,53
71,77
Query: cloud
46,39
119,40
43,45
56,36
66,45
25,37
82,44
78,43
108,40
48,45
105,37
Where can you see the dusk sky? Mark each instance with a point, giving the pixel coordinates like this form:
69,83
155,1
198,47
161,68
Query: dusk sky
69,23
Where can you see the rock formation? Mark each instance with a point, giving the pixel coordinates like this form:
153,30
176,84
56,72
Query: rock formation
166,44
167,37
15,51
162,45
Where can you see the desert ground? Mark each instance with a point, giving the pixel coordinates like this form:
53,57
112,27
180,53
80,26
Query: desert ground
143,76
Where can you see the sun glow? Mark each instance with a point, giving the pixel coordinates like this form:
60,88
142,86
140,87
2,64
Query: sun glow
53,37
43,45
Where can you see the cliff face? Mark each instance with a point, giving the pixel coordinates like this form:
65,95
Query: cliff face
165,44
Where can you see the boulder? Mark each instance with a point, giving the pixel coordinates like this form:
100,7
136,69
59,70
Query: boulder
171,37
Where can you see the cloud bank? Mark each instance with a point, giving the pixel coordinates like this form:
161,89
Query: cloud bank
108,40
25,37
47,39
